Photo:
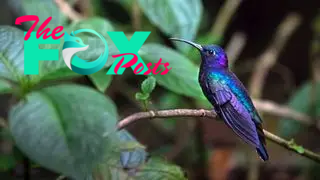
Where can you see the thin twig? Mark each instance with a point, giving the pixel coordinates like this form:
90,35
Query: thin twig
267,106
209,114
235,47
68,10
270,56
224,16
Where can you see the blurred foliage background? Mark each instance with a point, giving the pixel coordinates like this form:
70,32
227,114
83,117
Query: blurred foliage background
60,125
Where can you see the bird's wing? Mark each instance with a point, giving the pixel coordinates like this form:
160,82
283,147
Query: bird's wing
236,116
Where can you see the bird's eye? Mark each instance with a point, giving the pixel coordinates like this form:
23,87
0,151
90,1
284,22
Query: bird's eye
210,52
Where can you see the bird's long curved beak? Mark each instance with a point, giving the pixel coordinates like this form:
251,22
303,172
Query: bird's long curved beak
198,46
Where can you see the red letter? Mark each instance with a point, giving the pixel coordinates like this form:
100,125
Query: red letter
46,31
35,18
156,66
167,70
128,64
55,31
118,65
137,68
149,68
132,62
25,18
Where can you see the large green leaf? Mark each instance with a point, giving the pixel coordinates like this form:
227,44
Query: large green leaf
300,101
177,18
42,8
65,128
101,80
11,53
182,78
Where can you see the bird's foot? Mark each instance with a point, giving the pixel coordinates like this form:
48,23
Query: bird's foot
203,112
216,110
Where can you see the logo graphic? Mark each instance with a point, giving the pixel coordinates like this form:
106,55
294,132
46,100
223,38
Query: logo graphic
73,45
128,57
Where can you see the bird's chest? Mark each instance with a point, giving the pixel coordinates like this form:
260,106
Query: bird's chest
211,82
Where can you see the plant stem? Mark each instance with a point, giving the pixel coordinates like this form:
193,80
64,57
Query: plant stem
136,16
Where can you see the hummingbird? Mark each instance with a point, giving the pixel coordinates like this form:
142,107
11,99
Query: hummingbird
229,97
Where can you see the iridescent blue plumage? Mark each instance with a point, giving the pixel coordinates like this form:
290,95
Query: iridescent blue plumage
229,97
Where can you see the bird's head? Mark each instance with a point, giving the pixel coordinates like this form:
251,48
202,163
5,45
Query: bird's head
211,55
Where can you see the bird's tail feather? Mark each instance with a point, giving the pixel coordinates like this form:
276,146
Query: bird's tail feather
261,150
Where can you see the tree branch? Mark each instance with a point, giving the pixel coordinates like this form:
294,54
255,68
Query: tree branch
290,145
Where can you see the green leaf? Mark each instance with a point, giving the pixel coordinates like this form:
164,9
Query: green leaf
142,96
101,80
126,3
10,156
296,147
5,86
113,168
148,85
11,54
159,169
130,146
128,158
8,161
182,78
101,25
72,126
155,168
300,101
178,18
60,73
42,8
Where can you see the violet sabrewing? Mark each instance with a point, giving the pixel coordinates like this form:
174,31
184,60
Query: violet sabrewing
229,97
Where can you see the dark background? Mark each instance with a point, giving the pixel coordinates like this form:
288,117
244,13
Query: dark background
258,19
